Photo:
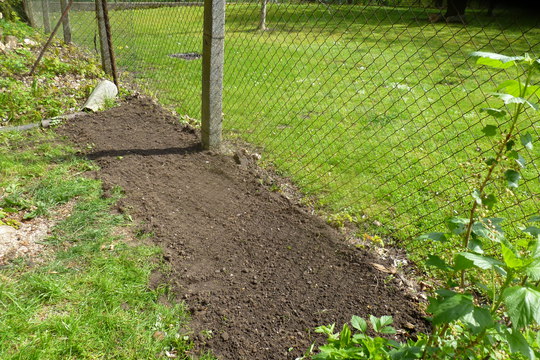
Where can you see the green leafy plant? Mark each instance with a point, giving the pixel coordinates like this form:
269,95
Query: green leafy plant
491,307
358,345
505,271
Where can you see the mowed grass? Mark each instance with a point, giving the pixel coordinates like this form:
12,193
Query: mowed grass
87,295
373,110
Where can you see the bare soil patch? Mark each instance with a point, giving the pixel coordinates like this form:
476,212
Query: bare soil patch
255,269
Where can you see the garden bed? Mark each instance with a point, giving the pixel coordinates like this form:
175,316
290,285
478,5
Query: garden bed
257,271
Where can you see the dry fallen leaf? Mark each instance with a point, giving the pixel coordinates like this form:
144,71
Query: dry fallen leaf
384,268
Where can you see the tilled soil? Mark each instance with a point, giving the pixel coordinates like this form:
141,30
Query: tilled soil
255,269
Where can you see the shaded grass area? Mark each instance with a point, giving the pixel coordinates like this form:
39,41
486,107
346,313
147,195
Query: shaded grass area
87,296
371,109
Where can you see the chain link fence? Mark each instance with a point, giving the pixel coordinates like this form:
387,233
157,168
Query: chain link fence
372,107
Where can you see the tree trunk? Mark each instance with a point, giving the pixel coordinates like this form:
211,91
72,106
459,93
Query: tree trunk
65,23
455,8
262,21
491,7
46,19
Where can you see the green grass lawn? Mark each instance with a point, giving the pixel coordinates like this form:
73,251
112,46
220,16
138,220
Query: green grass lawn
372,109
62,306
83,291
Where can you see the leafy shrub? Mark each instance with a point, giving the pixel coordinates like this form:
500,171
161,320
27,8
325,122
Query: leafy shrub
491,308
13,10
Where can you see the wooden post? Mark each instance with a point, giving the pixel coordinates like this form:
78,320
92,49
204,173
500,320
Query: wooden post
212,73
103,43
65,23
46,19
109,41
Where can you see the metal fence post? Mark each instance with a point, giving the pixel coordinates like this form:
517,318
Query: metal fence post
65,23
103,43
212,73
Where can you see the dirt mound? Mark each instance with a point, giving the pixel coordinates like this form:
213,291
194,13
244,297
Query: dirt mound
256,270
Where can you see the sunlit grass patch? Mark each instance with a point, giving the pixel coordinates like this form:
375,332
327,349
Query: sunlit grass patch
90,298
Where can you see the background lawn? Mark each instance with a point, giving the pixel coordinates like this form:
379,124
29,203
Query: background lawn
372,109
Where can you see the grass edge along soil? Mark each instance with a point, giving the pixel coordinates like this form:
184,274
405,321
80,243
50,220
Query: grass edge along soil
55,302
63,307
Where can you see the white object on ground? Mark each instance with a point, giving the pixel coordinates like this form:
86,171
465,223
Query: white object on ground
103,91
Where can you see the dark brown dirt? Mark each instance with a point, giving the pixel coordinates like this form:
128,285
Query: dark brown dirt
256,270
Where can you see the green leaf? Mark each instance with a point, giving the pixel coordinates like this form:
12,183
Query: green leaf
477,196
515,88
388,330
521,161
509,99
489,228
511,259
406,353
533,231
513,154
512,177
535,218
437,236
386,320
512,87
490,201
526,140
490,130
523,305
375,322
510,144
490,161
533,270
359,323
478,320
496,113
517,342
345,336
435,261
465,260
450,308
456,225
475,244
494,60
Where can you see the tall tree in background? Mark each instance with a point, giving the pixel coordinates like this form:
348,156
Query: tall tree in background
455,9
262,20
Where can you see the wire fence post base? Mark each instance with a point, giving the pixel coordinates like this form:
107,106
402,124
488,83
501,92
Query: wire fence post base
212,73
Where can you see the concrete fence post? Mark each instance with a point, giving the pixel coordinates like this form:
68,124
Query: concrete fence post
212,73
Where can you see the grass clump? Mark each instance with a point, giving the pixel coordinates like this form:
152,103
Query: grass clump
90,299
63,79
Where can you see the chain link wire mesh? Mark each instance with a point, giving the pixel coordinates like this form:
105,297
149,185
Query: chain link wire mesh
370,106
374,108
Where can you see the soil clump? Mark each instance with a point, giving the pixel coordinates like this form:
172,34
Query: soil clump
257,271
